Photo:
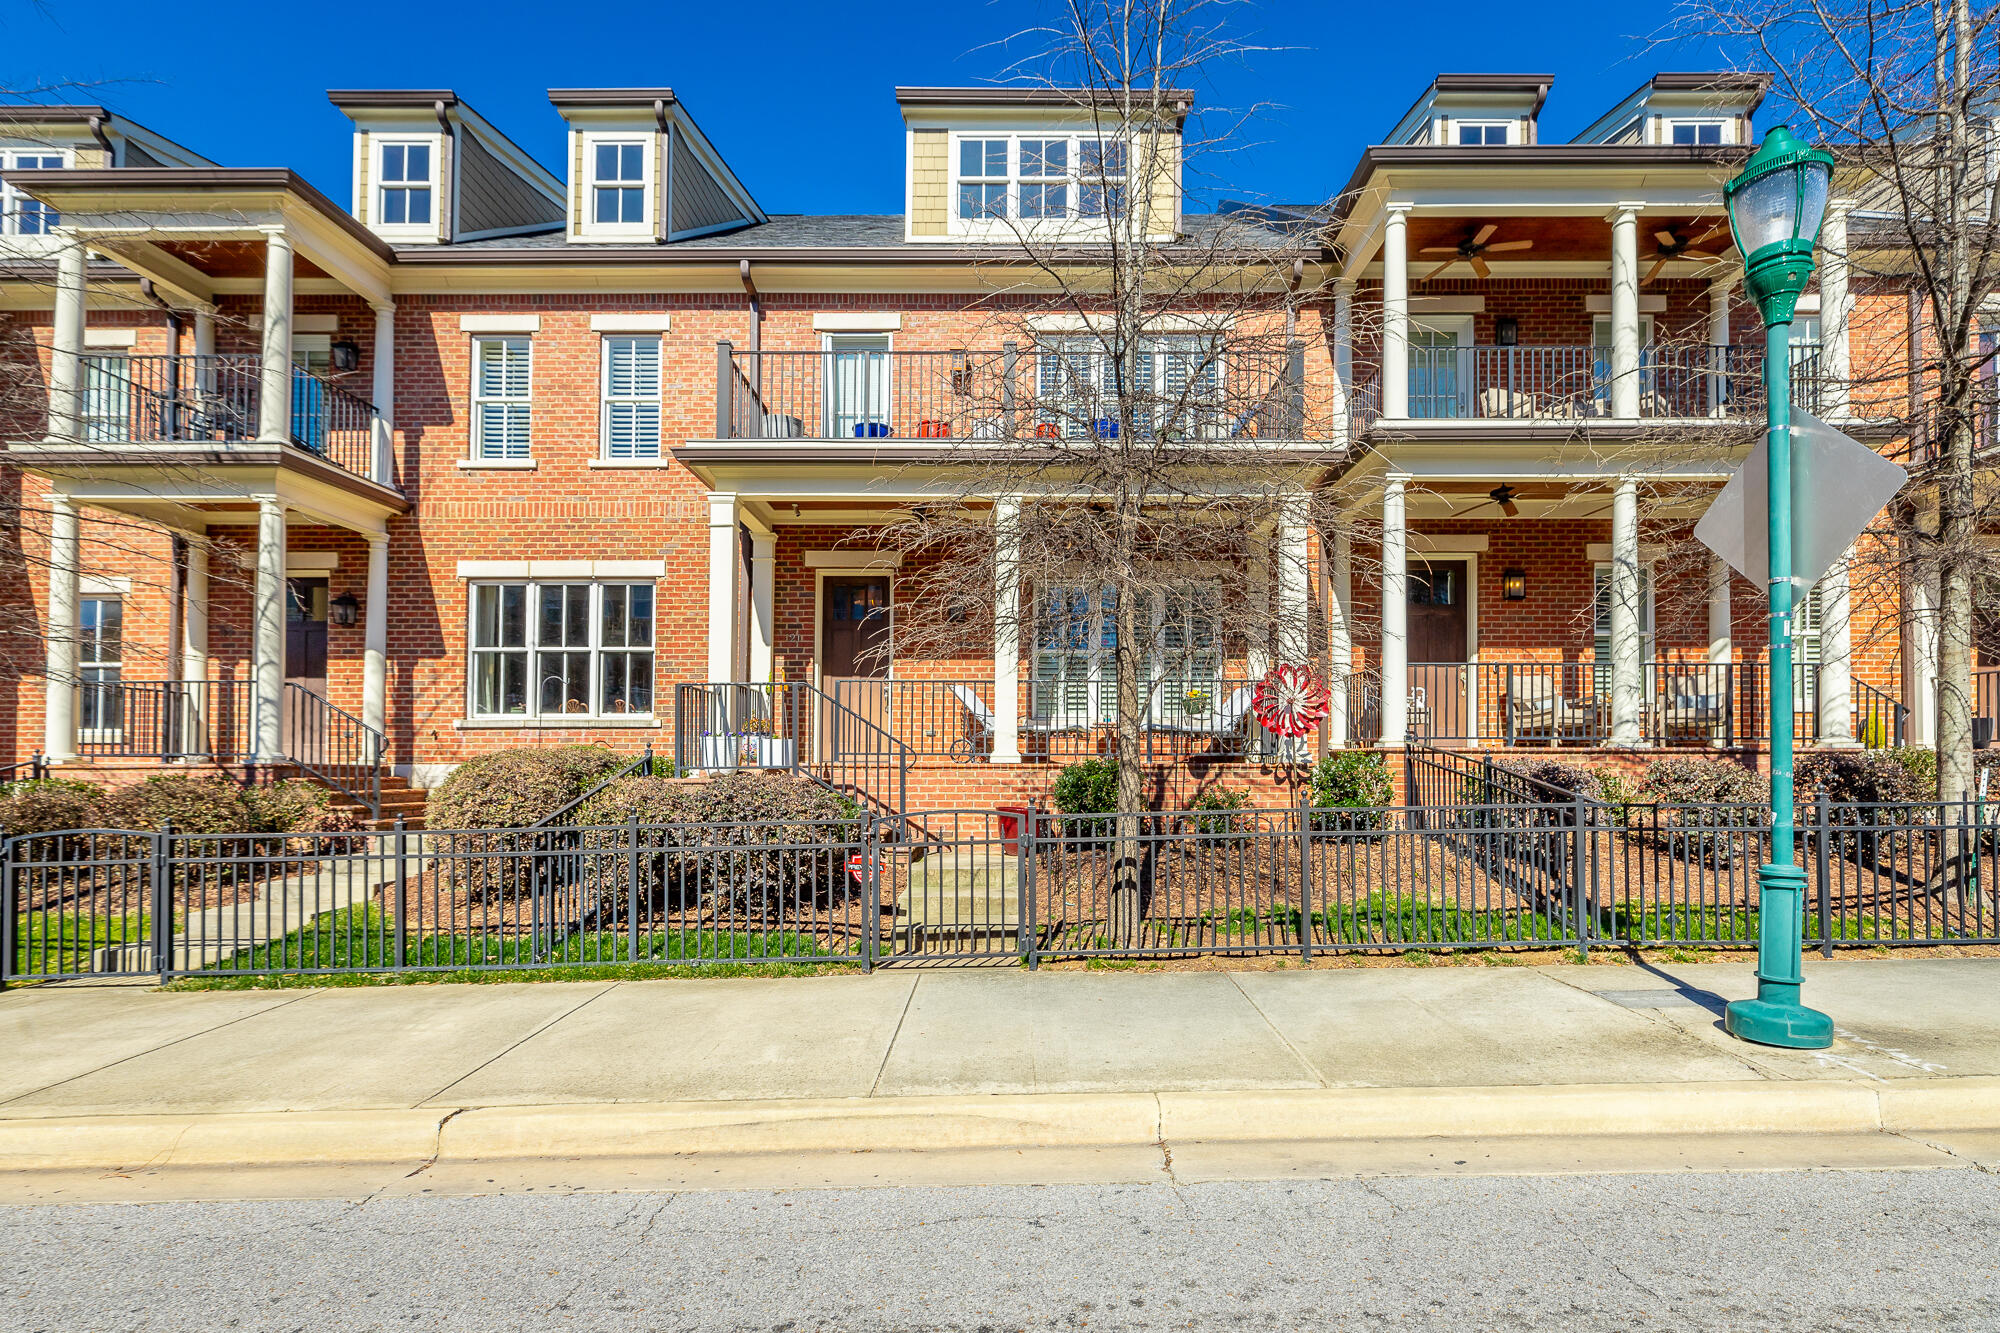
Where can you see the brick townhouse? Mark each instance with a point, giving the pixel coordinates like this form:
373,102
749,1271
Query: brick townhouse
494,455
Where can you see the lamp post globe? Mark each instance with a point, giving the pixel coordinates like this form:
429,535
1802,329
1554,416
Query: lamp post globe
1776,205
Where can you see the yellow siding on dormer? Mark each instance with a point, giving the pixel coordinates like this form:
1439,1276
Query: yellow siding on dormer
361,168
930,182
1162,181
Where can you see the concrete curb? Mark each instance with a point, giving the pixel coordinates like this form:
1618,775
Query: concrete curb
1060,1120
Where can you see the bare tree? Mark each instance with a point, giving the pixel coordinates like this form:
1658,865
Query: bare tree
1903,94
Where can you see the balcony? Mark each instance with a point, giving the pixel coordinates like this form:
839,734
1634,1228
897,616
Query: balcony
1009,394
1555,384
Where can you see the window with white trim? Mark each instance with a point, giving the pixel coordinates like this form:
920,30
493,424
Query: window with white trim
1178,392
1103,174
502,374
982,179
1040,178
107,396
21,215
1601,616
1692,133
572,649
631,421
1482,133
100,654
1044,179
618,183
1076,642
403,184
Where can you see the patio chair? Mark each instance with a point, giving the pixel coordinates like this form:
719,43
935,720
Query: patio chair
1518,404
1225,723
978,739
1537,710
1692,704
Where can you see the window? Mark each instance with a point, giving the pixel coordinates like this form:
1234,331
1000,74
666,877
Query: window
1103,174
982,180
404,191
1076,642
100,663
859,405
500,381
107,397
19,214
618,184
555,649
1179,388
1601,616
631,425
1694,132
1483,134
1044,179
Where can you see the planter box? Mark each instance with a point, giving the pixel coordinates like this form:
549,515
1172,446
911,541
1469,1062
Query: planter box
748,750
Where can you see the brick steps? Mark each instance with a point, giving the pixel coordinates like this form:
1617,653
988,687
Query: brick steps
398,798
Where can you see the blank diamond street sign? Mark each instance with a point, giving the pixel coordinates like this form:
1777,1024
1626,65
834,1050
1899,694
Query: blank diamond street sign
1838,486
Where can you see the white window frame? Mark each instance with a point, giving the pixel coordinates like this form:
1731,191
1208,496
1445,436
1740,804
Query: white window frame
107,395
94,671
1047,695
648,207
378,206
1510,128
1072,219
637,402
1724,127
480,401
13,202
531,649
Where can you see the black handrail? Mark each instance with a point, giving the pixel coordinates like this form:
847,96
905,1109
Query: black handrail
334,747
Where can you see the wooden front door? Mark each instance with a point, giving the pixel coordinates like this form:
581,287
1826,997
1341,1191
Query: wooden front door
1438,642
305,654
854,663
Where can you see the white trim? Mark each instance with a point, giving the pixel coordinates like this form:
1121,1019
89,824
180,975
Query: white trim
1599,303
562,569
649,223
110,339
499,323
315,324
850,561
1161,323
643,321
1440,543
103,585
563,721
498,464
614,463
380,139
1448,305
312,562
858,321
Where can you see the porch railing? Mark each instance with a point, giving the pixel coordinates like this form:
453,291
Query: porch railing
795,727
1013,393
166,719
334,747
214,398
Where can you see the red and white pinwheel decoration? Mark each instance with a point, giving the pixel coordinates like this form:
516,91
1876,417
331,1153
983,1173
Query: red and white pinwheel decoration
1291,701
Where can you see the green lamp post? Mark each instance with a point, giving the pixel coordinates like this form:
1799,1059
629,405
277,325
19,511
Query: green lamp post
1775,209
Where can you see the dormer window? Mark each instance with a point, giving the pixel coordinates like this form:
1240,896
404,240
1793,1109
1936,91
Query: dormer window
1101,163
403,194
982,180
618,184
1039,178
1483,133
1044,179
1691,133
19,214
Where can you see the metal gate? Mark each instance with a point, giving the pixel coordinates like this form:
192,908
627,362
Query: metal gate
955,886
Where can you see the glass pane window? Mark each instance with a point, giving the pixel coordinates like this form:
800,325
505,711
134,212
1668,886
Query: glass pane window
1187,661
618,185
100,657
405,184
1076,636
1044,179
1102,174
982,179
1693,132
590,646
21,215
501,377
1482,136
632,397
107,397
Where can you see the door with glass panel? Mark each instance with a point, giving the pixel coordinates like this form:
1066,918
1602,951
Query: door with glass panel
100,713
1439,631
857,401
1437,388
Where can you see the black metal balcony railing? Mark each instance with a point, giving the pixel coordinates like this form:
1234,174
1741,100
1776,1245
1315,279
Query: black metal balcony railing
166,719
215,399
1013,393
1566,383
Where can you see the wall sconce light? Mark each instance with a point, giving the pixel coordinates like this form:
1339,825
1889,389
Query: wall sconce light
1506,331
344,355
344,609
1514,585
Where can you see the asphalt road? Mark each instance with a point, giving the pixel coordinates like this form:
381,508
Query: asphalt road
1820,1251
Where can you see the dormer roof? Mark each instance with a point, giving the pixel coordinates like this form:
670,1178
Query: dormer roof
674,181
1474,96
121,141
1725,94
1036,98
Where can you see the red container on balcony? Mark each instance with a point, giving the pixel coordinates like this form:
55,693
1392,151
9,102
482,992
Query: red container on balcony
1013,819
934,430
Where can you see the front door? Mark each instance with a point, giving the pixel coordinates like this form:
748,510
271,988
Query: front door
854,661
305,654
1437,630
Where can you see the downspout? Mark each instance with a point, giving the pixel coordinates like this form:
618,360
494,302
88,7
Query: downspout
447,199
664,224
96,124
756,334
174,327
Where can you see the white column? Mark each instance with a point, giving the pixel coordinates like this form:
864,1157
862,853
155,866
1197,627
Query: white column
1396,314
1006,630
1340,637
204,346
194,638
1836,658
1395,617
763,604
66,363
1718,337
1294,555
1921,653
1721,629
274,394
267,620
722,562
1625,313
1833,311
1628,670
375,636
384,393
60,634
1343,348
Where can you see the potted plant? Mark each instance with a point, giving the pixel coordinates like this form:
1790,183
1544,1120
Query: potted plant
759,748
1195,701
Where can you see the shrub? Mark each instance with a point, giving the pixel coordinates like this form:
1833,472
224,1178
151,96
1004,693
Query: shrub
1684,780
515,788
1921,761
1087,787
191,803
1218,818
1697,801
1861,776
1567,779
1354,785
791,851
46,805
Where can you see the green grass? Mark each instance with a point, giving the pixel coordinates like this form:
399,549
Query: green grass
55,942
365,938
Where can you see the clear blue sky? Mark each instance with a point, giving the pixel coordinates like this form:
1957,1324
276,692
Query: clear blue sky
796,95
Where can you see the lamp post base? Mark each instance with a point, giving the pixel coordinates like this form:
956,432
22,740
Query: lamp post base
1778,1019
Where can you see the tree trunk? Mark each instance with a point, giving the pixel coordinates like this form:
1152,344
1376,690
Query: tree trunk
1127,869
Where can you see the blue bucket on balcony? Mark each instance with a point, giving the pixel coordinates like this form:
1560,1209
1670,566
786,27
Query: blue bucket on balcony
1106,428
870,430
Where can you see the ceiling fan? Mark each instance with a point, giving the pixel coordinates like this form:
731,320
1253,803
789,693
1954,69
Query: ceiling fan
1471,249
1502,495
1671,246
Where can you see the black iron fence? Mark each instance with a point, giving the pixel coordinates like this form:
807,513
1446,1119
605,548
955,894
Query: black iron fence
166,719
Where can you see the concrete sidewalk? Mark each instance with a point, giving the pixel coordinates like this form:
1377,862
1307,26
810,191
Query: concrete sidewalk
106,1075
